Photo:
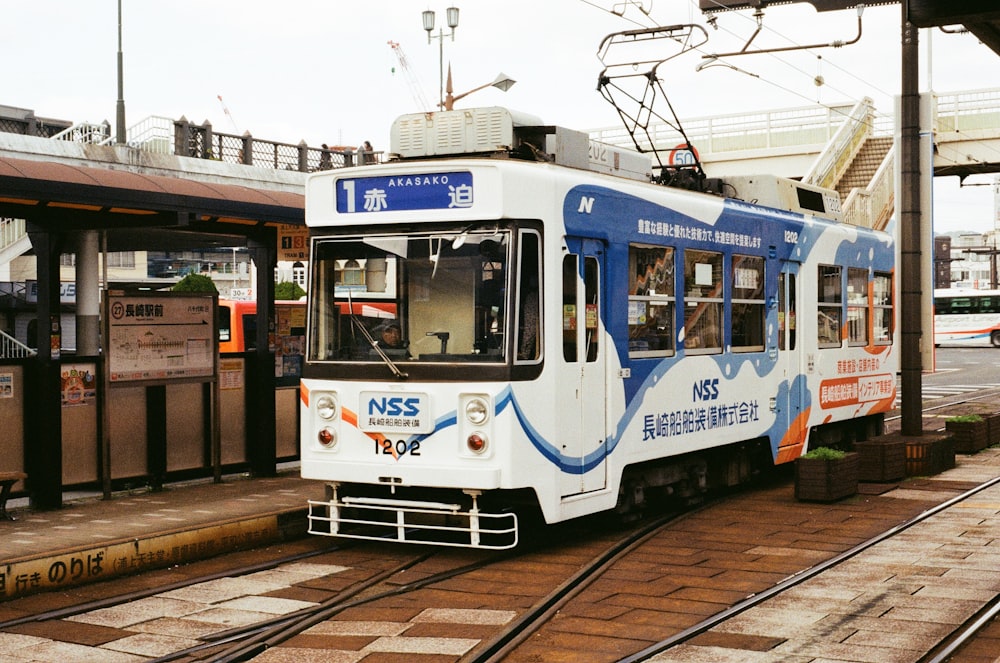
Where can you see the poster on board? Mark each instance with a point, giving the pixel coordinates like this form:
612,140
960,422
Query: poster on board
160,336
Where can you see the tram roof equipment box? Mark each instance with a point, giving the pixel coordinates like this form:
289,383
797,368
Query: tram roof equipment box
492,130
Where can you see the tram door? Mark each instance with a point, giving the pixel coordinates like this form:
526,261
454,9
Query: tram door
791,364
582,414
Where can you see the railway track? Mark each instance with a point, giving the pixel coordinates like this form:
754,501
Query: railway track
680,585
953,642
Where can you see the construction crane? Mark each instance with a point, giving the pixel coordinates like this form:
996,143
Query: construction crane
416,90
225,109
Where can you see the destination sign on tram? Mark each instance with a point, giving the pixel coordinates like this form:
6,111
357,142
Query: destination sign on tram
419,191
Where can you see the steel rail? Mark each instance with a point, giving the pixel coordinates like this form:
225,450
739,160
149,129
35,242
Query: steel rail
800,577
128,597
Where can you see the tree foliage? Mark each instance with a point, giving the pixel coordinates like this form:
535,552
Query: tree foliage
195,283
288,291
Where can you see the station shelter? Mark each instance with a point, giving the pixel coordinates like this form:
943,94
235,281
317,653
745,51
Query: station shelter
65,421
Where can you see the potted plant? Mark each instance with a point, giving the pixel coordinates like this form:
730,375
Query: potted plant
825,474
970,432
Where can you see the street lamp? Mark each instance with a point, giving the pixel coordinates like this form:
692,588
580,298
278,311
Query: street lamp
451,15
501,82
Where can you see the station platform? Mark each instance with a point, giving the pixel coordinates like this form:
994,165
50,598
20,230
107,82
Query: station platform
91,538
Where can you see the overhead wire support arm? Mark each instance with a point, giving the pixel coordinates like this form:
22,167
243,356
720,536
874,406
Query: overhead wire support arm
630,82
759,15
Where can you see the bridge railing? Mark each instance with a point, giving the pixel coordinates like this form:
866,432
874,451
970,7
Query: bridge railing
85,132
786,128
965,112
202,142
163,135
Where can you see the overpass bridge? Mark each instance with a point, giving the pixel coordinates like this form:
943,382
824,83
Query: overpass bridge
843,147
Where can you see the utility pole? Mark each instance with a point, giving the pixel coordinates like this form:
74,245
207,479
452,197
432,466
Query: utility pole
911,364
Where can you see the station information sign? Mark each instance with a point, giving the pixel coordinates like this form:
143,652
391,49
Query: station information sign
160,337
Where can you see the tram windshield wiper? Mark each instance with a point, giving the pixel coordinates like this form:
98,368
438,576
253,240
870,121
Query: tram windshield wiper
360,326
399,373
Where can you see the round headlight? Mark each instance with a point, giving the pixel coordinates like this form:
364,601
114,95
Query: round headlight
326,437
326,406
476,411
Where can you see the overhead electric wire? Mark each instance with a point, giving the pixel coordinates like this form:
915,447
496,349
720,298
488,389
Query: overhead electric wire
835,109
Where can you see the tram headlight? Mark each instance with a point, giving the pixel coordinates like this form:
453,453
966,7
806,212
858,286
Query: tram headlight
477,411
327,437
477,442
326,407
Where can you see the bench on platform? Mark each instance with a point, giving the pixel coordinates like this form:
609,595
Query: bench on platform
7,481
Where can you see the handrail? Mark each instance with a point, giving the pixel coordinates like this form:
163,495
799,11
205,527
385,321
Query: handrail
85,132
11,232
838,154
11,348
882,191
872,206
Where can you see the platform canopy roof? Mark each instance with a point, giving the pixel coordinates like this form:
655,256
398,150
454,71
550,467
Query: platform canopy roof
153,212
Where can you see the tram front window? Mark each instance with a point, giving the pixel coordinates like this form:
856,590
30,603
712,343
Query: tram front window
445,291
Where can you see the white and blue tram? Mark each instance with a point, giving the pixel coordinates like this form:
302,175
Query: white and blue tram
574,338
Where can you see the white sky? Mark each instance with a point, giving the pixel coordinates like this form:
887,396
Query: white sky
322,70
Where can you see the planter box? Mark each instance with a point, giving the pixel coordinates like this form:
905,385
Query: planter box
969,436
944,448
993,424
821,480
881,459
929,454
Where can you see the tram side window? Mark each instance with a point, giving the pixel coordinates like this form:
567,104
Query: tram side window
702,301
857,306
650,301
786,311
828,305
882,308
577,318
748,304
591,290
529,316
569,272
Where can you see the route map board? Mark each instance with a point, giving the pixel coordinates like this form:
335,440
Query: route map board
160,337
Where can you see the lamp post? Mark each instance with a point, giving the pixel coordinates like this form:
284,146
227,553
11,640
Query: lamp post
451,15
501,82
120,108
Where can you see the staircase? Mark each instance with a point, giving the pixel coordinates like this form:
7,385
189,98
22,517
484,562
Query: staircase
11,348
859,165
864,166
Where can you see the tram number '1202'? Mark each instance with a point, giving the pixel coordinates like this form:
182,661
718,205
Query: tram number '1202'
397,448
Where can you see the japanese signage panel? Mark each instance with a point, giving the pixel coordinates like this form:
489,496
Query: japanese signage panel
156,337
405,192
293,242
78,567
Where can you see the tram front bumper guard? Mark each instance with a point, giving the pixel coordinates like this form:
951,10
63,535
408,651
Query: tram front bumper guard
409,521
